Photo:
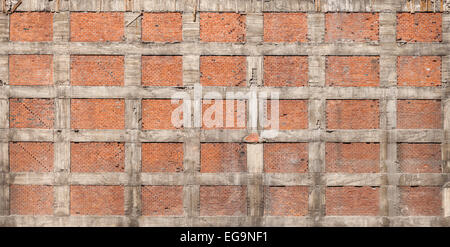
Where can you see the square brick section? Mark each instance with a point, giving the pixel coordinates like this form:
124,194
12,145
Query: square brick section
97,114
162,200
352,157
31,113
162,27
31,156
97,157
285,27
351,27
96,200
419,71
353,114
222,27
223,71
285,157
162,70
31,199
352,71
97,70
96,27
286,201
31,70
31,26
224,114
285,71
223,157
341,201
162,157
419,27
420,157
420,201
293,114
223,200
419,114
157,114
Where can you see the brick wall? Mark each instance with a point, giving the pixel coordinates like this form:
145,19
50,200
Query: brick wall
31,69
97,70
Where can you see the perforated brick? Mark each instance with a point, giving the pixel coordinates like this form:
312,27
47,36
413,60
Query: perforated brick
162,157
103,70
286,157
223,157
420,157
31,199
419,71
352,71
223,200
162,27
223,71
97,157
286,200
352,114
420,201
157,114
97,114
285,27
96,200
293,114
96,27
162,200
352,157
419,114
31,26
31,70
222,27
224,114
162,70
31,156
352,201
31,113
351,27
285,71
419,27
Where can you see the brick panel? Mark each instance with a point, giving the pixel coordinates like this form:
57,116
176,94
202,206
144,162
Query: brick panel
96,27
419,27
157,114
351,27
352,114
96,200
30,70
420,201
352,71
342,201
419,114
97,70
285,71
31,113
224,114
97,157
31,26
285,27
286,201
31,199
352,157
223,200
162,70
162,200
162,157
420,157
419,71
97,114
222,27
162,27
31,156
285,157
223,71
293,114
223,157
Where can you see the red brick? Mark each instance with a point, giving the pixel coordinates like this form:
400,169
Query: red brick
223,71
419,71
286,201
31,156
222,27
286,157
223,200
352,71
97,70
97,114
352,157
420,201
285,71
419,27
31,113
97,157
157,114
223,157
162,71
285,27
162,157
419,114
31,26
96,200
293,114
162,200
353,114
420,157
224,114
96,27
353,27
352,201
31,199
30,70
162,27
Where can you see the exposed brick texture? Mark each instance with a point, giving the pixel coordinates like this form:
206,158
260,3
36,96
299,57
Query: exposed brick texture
285,71
352,157
419,157
420,201
223,157
97,157
157,114
293,114
353,71
31,113
286,157
31,156
352,114
162,157
286,201
162,70
419,71
96,27
223,200
96,200
97,70
162,27
419,114
352,201
31,26
285,27
222,27
97,114
419,27
223,70
224,114
162,200
351,27
30,70
31,199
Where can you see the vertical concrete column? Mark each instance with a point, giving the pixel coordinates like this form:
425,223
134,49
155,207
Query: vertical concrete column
446,27
255,28
4,28
255,186
446,113
4,120
133,22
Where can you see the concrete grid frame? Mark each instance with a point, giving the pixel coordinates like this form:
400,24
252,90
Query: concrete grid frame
386,185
